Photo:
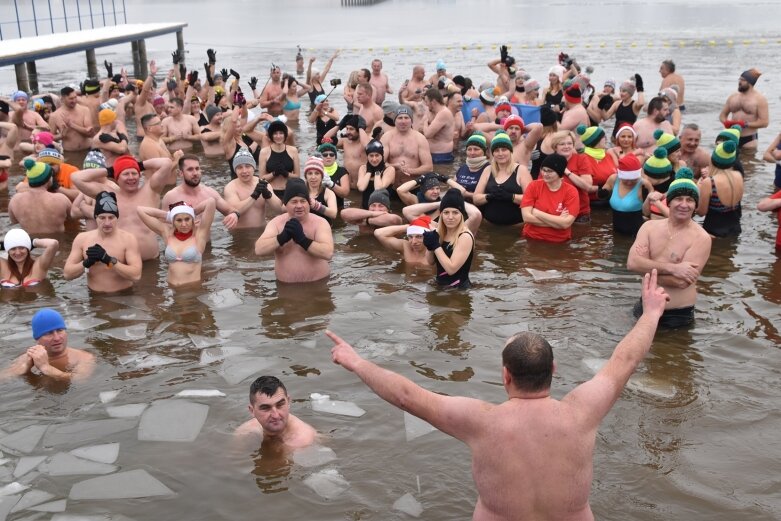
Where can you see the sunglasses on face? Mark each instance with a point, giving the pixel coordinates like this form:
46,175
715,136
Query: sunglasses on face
328,154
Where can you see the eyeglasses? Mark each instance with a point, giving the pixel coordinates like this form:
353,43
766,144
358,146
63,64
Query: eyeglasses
328,154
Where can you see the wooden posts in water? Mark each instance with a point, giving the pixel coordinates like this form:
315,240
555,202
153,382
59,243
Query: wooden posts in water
92,66
32,77
180,44
21,77
142,60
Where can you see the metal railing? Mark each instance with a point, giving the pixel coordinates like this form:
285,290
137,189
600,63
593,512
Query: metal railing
64,16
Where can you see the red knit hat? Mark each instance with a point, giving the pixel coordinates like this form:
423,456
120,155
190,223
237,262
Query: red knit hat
124,162
504,106
511,120
573,94
629,167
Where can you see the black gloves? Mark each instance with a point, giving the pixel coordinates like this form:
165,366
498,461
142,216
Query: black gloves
212,54
253,83
296,231
503,53
377,133
639,83
284,236
108,138
235,74
96,253
208,75
192,77
499,194
55,184
182,71
109,68
176,56
224,74
361,122
442,178
261,189
431,240
280,173
605,102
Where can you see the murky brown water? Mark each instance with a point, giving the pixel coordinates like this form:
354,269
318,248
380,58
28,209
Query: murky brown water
694,436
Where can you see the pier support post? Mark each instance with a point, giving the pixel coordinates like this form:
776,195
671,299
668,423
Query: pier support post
180,45
21,77
136,60
32,77
92,66
142,59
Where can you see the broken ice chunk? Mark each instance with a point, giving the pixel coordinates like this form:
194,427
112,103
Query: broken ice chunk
223,299
409,505
327,484
24,440
323,403
107,396
415,427
83,431
12,488
236,370
135,332
313,456
540,275
26,464
130,410
54,506
105,453
200,393
84,323
172,420
32,498
6,504
124,485
214,354
64,464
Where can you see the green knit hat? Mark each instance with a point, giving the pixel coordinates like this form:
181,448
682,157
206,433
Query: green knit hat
478,140
590,136
683,185
658,166
326,145
501,140
668,141
725,154
730,134
37,173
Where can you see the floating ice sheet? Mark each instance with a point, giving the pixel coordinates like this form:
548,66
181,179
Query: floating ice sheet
54,506
24,440
362,296
124,485
172,420
12,488
323,403
223,299
214,354
236,370
415,427
130,314
200,393
107,396
146,361
327,484
131,301
130,410
32,498
82,517
202,342
84,431
313,456
104,453
6,504
540,275
84,323
655,387
134,332
65,464
26,464
409,505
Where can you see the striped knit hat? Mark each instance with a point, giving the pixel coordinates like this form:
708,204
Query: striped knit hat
50,156
573,94
478,140
314,163
668,141
501,140
38,173
590,136
658,166
683,185
725,154
730,134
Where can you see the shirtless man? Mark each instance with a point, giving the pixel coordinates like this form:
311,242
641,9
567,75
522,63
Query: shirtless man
439,128
37,209
133,192
248,197
414,88
691,152
9,135
656,117
108,139
193,192
212,133
670,78
25,120
302,242
153,144
353,143
180,130
272,96
380,82
377,216
454,102
72,122
523,137
143,104
412,249
747,108
109,254
574,112
369,111
91,99
677,248
532,455
406,150
269,406
51,356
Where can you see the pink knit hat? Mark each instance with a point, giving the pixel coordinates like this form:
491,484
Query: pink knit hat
314,163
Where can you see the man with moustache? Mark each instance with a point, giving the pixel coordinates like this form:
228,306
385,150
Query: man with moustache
656,118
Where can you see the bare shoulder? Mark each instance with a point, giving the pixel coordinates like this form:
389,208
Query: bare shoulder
80,355
249,428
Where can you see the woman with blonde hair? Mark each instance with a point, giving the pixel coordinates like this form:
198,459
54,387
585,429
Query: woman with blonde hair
451,246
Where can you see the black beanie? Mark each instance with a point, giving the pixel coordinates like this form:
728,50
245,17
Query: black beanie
453,198
106,202
555,162
547,116
295,187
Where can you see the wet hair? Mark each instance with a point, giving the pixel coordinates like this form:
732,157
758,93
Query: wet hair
669,64
146,118
433,94
65,91
188,157
178,102
267,385
27,268
529,359
655,104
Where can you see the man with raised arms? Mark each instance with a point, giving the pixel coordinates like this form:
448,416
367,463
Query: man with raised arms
302,242
532,455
